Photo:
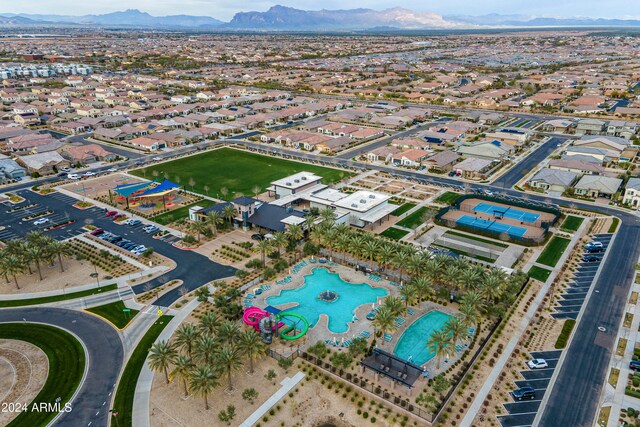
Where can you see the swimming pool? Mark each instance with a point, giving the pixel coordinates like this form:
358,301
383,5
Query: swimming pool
491,225
507,212
412,345
340,311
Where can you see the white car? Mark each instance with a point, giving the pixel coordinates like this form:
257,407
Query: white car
157,159
89,173
40,221
112,170
65,169
537,364
73,176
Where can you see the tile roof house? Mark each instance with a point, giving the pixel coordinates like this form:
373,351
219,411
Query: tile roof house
579,166
85,154
10,169
443,160
597,186
473,168
43,163
411,158
553,180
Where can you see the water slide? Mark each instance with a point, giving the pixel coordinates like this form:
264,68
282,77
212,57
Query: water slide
253,315
293,326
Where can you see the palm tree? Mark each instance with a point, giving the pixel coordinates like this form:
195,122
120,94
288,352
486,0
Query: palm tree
34,253
469,279
279,241
423,287
385,254
438,343
370,250
209,323
343,243
205,349
60,249
264,246
328,215
415,264
316,236
198,227
469,313
456,328
491,288
400,261
229,212
18,248
256,190
384,321
202,381
228,361
251,345
409,293
186,337
213,220
329,238
309,223
161,355
295,232
452,276
228,332
356,245
394,304
182,369
11,265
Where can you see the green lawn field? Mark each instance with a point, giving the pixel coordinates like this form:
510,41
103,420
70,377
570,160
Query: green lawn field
114,314
553,251
538,273
394,233
403,209
448,197
237,171
571,223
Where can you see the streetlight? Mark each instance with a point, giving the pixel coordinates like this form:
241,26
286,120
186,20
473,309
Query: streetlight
95,274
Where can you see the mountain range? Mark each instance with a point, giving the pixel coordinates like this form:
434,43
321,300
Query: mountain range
281,18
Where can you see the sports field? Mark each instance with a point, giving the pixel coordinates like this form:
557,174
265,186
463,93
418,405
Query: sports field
237,171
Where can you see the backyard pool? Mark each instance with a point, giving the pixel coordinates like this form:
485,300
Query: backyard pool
412,345
340,310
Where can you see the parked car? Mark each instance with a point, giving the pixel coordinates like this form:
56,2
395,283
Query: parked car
524,393
537,364
73,176
40,221
590,258
139,163
594,250
97,232
134,222
594,245
111,213
152,229
89,173
65,169
257,236
157,158
634,365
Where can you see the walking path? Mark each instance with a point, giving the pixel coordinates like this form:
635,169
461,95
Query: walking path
517,335
287,385
141,399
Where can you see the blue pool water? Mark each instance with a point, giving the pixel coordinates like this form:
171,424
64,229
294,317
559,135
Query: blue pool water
413,342
340,312
511,213
491,225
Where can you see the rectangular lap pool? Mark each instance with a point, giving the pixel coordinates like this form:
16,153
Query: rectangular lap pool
340,311
491,225
412,345
506,212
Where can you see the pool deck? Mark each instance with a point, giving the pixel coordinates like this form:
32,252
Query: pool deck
320,331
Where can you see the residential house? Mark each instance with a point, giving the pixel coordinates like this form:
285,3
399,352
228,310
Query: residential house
10,169
590,127
631,193
597,186
147,143
383,154
410,158
85,154
442,161
490,150
553,180
43,163
577,165
473,168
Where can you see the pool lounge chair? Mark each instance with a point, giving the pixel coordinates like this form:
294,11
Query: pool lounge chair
410,312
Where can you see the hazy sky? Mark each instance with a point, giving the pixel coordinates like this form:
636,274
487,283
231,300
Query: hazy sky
224,9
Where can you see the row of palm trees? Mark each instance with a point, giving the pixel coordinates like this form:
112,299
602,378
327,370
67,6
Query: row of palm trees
201,354
36,249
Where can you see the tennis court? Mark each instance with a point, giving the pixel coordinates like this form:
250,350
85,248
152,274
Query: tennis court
492,225
506,212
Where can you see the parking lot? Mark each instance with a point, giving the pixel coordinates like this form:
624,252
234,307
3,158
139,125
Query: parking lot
571,301
521,414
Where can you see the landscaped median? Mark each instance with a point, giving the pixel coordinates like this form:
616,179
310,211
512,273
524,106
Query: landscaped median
66,367
561,342
56,298
553,251
123,401
116,313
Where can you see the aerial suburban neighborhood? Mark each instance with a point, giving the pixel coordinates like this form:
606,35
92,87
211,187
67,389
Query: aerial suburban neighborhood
324,218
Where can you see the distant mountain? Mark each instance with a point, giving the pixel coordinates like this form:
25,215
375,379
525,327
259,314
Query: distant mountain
497,20
127,18
288,18
16,21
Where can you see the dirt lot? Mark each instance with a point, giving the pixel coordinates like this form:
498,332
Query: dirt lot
23,372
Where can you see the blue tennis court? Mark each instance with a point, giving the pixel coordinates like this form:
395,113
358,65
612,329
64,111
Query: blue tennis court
506,212
492,225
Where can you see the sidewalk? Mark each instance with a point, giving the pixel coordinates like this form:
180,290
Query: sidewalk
141,400
287,384
515,338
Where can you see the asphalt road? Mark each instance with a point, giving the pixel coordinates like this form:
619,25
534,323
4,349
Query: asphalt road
105,356
514,175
